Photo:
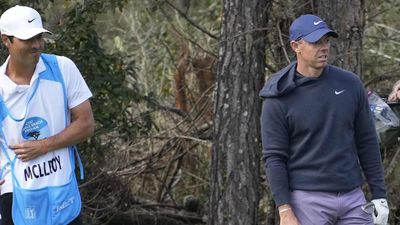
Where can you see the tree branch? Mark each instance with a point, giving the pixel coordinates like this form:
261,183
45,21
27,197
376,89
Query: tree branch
191,21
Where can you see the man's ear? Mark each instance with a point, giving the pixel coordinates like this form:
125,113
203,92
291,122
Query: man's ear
5,40
295,46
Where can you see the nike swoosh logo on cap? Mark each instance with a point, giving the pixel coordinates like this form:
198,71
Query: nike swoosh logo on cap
30,21
316,23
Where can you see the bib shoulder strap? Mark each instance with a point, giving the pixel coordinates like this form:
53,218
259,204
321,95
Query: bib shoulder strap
54,73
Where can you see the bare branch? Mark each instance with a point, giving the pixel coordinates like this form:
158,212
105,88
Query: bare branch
282,44
191,21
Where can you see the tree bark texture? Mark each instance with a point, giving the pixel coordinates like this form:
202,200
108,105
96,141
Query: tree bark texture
346,17
234,195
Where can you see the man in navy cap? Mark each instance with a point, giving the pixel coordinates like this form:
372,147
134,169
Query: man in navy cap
319,140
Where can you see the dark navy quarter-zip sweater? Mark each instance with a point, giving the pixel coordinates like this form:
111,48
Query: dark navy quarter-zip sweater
318,134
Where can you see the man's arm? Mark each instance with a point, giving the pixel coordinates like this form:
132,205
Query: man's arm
275,140
81,127
368,148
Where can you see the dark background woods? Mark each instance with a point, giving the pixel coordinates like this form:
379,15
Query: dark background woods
175,87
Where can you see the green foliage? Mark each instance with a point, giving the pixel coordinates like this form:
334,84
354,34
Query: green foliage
106,74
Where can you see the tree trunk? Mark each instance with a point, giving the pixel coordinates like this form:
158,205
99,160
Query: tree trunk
236,149
346,17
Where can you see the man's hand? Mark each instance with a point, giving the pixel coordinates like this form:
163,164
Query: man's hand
394,96
29,150
381,214
287,216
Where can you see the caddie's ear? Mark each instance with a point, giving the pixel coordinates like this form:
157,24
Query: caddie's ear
5,40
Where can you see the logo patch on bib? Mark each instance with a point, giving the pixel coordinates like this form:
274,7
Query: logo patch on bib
35,128
64,204
30,213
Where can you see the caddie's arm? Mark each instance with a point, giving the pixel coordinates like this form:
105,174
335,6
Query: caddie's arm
81,127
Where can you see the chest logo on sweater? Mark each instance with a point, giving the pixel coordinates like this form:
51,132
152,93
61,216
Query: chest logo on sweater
339,92
35,128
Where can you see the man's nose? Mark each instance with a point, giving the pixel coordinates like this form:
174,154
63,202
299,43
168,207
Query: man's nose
325,46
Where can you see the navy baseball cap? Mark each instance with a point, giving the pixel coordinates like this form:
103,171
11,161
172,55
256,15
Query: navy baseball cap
310,28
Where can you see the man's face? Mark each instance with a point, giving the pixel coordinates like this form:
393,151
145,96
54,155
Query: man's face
26,51
313,55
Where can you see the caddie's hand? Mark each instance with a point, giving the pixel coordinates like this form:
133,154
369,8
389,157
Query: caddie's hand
287,216
2,181
381,214
29,150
